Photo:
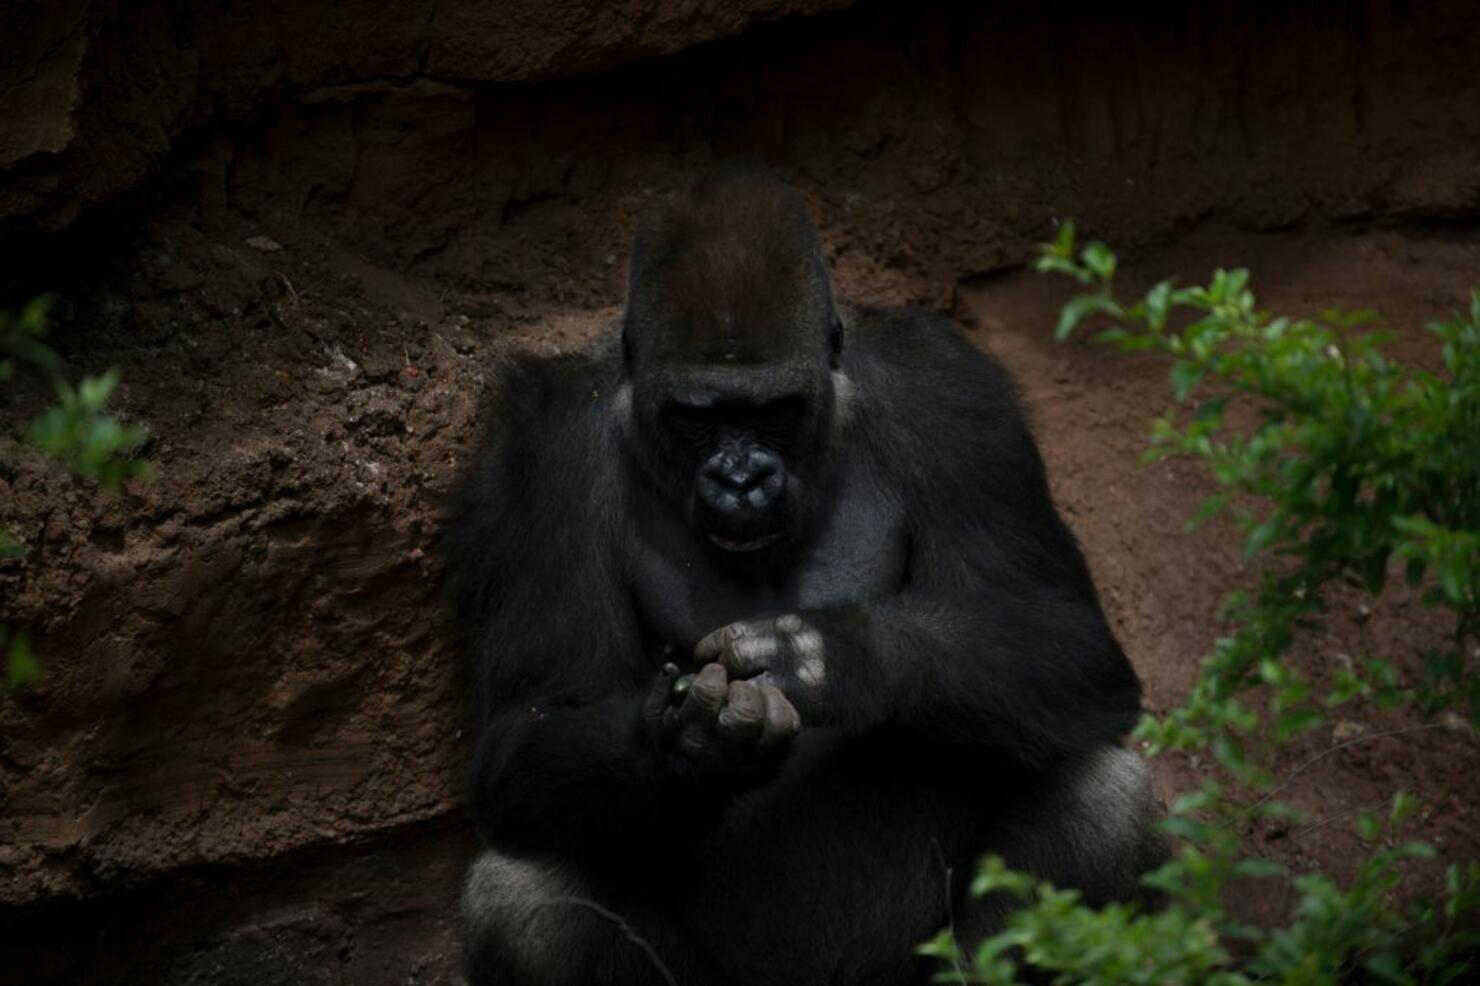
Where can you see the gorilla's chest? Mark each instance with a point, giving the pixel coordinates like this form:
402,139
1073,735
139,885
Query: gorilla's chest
682,592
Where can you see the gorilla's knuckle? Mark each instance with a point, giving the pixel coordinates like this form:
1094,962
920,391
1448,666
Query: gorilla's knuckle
754,651
734,726
695,742
790,623
741,715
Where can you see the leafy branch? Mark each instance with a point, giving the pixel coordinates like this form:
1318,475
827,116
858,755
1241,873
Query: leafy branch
75,431
1360,465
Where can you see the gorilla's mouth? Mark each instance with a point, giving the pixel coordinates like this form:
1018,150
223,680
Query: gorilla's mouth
742,547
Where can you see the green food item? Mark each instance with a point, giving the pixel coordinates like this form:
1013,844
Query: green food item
680,687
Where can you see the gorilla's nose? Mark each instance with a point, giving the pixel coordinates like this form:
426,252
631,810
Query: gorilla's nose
741,472
740,482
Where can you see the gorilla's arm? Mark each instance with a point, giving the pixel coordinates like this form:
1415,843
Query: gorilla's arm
996,638
561,757
1030,669
569,777
579,747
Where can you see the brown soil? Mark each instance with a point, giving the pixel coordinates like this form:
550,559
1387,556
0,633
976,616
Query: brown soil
305,243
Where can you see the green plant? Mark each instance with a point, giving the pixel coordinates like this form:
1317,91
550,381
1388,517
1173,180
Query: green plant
75,431
1360,464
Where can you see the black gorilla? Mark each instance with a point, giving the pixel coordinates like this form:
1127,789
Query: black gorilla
837,516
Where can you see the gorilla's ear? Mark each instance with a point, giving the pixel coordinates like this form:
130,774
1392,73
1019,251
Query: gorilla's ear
835,342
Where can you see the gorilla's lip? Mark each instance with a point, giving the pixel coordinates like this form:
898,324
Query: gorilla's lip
740,547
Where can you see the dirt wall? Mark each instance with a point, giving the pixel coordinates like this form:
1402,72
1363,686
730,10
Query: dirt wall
305,231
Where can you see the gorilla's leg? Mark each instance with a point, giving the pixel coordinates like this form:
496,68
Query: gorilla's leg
1090,824
544,922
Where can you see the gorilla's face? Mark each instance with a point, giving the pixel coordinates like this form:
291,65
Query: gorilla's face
751,443
730,345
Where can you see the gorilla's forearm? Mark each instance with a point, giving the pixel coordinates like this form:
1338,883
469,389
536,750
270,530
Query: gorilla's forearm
575,778
1037,677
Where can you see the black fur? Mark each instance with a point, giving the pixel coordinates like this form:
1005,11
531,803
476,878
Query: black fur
966,671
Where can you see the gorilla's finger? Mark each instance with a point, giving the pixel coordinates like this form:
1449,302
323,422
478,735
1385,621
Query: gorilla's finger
694,720
708,691
744,713
695,741
713,644
782,721
661,693
750,655
789,623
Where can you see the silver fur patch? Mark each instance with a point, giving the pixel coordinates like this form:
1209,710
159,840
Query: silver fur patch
1113,797
843,391
504,892
622,407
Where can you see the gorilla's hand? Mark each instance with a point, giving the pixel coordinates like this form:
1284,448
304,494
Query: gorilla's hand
787,652
722,726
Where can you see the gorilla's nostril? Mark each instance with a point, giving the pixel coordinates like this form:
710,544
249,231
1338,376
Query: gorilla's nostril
728,503
759,498
741,479
760,463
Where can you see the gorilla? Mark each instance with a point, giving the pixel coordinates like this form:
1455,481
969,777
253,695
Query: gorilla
777,632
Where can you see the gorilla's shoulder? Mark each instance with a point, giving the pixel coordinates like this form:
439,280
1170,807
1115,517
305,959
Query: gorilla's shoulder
938,411
540,422
544,390
910,358
532,481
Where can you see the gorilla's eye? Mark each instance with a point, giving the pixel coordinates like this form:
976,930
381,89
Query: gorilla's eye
692,426
777,421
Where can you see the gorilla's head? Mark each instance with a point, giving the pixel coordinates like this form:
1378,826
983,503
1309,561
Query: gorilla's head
731,344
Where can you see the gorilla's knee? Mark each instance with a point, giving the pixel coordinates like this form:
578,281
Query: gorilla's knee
1111,821
515,929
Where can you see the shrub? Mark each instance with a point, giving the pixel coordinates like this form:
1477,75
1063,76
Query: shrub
1361,464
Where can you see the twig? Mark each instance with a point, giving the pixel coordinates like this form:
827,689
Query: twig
292,294
950,910
1347,813
1342,746
625,928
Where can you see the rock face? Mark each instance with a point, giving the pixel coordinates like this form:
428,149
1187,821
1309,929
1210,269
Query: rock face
97,97
244,762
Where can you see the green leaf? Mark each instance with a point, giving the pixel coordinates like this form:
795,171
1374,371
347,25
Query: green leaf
1263,536
1210,412
1098,258
21,669
1185,376
1404,804
11,546
1077,309
1158,302
1296,721
1207,509
1183,827
1258,869
93,392
1063,244
1229,753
